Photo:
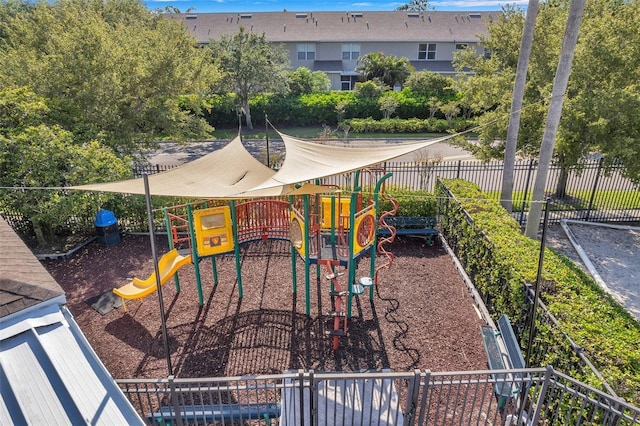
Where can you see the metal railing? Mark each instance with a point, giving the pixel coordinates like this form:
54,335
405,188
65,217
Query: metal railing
304,398
592,192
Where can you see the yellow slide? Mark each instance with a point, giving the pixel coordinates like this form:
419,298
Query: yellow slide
168,265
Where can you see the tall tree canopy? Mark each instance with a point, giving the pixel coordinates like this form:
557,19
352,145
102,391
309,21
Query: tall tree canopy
601,112
33,154
250,65
389,69
108,70
304,81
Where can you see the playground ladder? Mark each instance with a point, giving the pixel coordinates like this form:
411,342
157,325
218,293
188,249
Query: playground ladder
338,301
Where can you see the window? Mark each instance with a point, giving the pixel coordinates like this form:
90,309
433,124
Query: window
350,51
460,46
306,51
347,82
427,51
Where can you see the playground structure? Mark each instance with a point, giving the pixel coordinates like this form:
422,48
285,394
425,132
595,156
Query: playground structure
326,228
168,265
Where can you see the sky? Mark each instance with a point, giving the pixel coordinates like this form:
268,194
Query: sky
201,6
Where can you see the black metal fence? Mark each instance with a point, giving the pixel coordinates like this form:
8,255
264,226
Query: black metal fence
590,192
492,285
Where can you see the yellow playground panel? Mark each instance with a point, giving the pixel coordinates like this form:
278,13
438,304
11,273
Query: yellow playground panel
365,226
214,230
342,208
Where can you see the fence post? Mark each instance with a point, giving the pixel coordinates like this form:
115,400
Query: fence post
595,187
543,393
313,398
526,190
458,171
413,390
174,400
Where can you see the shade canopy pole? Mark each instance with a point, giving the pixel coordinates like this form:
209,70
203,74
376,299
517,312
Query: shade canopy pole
154,253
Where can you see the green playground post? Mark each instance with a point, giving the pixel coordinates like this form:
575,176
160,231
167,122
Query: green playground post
167,225
293,254
305,232
236,247
356,182
352,268
333,219
214,267
317,236
194,254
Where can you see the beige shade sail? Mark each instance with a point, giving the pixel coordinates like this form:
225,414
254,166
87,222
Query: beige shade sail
232,172
305,161
219,174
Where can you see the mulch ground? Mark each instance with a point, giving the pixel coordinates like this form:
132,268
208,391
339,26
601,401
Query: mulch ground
421,316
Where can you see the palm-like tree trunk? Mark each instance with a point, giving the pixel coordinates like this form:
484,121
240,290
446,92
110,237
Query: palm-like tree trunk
553,117
516,105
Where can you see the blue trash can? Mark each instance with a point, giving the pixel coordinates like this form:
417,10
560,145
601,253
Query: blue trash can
107,228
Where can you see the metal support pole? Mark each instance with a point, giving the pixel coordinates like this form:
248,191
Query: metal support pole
595,188
526,190
534,308
266,135
154,253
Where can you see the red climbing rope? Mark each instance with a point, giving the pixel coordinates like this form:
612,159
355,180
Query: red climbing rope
388,239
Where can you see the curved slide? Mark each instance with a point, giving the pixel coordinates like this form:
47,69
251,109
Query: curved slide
168,265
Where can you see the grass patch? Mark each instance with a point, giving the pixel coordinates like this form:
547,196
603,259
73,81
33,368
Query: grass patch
580,199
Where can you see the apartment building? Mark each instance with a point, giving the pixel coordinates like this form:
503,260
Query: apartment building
332,42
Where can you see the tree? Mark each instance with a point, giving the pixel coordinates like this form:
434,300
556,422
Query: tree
250,65
560,84
450,110
430,84
388,104
304,81
370,88
600,112
516,105
33,154
416,6
390,69
108,70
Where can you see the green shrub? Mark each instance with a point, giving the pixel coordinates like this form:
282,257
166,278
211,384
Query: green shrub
409,125
411,203
500,260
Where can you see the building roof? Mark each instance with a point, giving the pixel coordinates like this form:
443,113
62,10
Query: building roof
49,374
395,26
24,282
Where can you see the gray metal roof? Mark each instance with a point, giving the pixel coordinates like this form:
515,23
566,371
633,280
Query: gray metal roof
49,374
395,26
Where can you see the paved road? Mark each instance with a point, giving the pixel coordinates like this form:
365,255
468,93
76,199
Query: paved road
171,153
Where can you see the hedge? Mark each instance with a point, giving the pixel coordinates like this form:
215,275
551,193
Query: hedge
608,335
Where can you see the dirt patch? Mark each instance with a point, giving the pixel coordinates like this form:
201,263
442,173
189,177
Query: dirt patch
421,316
